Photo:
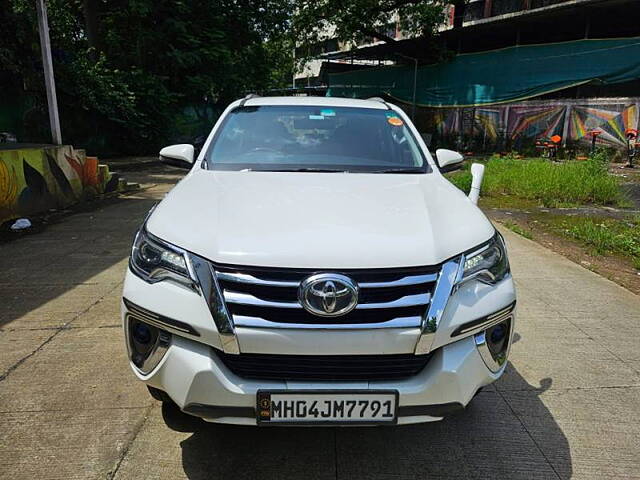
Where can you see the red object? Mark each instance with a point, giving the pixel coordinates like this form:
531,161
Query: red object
556,139
631,133
594,133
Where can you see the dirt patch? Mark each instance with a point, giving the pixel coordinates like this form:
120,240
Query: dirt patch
532,225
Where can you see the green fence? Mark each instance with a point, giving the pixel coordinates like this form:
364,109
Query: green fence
498,76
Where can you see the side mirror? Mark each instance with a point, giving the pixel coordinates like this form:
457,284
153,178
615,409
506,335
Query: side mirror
180,155
448,160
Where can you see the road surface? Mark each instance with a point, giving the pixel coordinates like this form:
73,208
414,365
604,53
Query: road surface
70,407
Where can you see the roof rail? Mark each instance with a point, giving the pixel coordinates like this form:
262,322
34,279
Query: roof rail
378,99
248,97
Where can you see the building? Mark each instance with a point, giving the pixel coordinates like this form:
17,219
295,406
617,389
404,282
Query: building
522,70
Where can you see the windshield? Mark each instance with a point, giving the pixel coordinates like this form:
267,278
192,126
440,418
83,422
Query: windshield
322,139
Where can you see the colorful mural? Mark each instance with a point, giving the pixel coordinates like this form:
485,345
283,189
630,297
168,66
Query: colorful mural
518,124
447,122
37,179
611,120
489,121
535,122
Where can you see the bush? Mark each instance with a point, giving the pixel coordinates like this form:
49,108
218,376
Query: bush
551,184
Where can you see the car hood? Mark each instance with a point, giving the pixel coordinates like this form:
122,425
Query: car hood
319,220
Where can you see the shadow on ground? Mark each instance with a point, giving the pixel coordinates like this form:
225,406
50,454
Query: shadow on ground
487,440
85,252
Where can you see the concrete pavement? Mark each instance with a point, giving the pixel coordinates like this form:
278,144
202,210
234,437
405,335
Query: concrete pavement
70,407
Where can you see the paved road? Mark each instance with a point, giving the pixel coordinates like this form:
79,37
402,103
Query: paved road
70,408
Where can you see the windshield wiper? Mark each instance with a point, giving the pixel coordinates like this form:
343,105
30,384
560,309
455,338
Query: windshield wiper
400,170
307,169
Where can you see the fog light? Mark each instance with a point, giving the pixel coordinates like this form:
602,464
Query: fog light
146,344
493,344
498,333
141,333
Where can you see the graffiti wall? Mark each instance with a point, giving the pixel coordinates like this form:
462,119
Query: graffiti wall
516,125
34,180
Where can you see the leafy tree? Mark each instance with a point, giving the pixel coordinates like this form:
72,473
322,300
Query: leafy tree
317,20
130,72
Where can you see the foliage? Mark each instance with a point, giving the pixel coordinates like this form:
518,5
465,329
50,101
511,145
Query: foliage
514,227
318,20
604,235
550,184
147,62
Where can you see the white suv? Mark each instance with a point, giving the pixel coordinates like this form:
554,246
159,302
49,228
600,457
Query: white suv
315,267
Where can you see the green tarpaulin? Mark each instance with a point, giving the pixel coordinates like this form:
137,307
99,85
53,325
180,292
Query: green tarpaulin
498,76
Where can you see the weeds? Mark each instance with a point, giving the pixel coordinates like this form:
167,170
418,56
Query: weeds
550,184
514,227
604,236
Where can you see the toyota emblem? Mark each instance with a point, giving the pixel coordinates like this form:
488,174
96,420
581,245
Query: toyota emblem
328,294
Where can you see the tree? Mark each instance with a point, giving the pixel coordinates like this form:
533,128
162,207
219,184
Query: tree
350,21
135,74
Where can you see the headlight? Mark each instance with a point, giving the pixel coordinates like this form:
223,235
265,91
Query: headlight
488,264
154,260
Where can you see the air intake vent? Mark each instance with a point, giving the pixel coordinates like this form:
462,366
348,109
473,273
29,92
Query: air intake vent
323,367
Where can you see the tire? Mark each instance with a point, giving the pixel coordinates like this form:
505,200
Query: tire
159,395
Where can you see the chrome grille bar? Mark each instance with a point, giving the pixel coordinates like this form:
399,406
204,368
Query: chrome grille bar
250,279
403,282
407,301
255,322
253,280
247,299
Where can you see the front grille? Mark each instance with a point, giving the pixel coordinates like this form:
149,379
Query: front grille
271,295
323,367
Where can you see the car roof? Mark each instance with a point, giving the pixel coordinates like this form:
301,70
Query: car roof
316,101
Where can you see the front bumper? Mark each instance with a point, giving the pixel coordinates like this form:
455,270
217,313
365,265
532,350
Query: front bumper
200,384
192,375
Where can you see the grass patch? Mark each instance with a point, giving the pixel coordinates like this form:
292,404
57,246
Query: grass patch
603,236
549,184
514,227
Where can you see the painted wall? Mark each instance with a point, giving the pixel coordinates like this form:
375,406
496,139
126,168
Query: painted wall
35,180
516,125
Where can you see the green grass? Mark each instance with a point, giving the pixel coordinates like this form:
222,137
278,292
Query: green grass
603,236
549,184
514,227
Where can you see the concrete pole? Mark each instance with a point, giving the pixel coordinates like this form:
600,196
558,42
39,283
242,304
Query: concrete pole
49,81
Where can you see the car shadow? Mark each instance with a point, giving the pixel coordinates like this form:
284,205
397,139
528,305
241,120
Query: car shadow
501,434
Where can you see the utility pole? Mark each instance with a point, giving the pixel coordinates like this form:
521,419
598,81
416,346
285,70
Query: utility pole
49,81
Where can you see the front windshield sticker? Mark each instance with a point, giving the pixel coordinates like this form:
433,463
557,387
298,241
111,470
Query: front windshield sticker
328,112
395,121
316,117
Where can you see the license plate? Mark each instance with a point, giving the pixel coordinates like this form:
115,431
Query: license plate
323,406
